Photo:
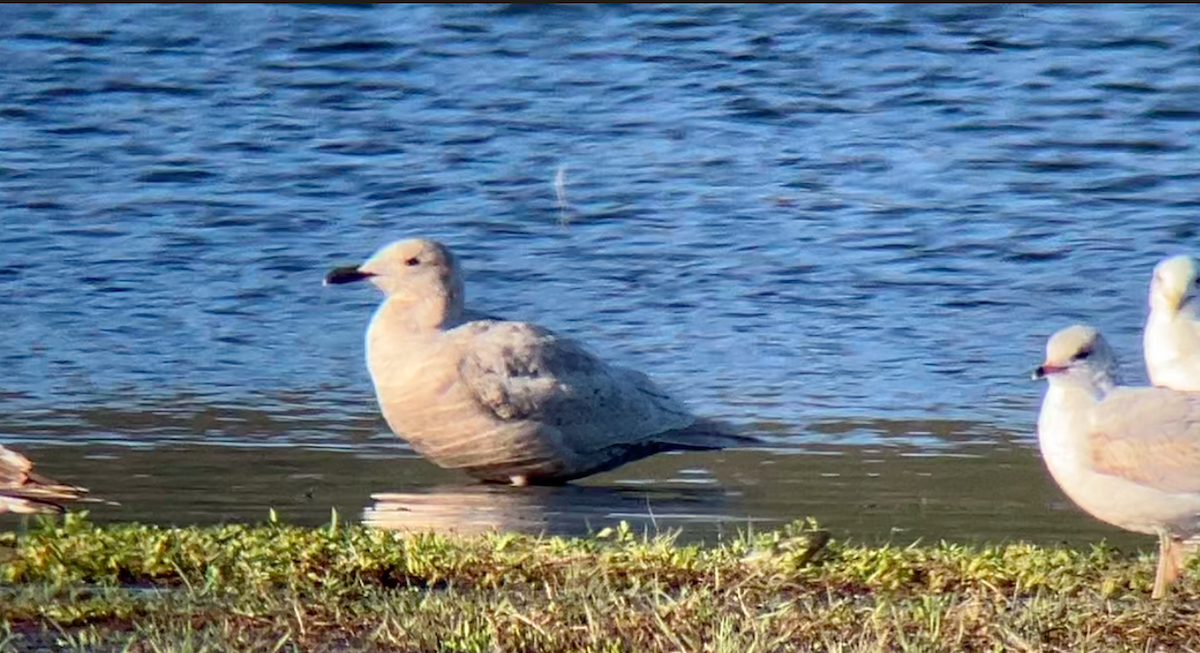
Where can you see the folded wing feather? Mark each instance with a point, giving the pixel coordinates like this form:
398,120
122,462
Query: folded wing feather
1149,436
521,371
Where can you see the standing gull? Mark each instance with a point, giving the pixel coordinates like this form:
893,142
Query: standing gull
24,491
1171,341
504,401
1128,456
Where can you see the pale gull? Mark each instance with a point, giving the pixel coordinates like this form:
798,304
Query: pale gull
1128,456
505,401
1171,341
24,491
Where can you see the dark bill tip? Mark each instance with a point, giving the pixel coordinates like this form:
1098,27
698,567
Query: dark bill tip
1043,371
347,274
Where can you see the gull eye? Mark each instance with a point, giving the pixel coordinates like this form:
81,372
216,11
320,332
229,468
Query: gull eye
1083,355
412,261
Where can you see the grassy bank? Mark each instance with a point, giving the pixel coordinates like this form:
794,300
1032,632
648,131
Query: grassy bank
70,585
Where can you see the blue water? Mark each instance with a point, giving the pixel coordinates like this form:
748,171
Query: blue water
818,221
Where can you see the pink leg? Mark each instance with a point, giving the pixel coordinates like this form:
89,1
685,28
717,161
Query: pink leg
1172,554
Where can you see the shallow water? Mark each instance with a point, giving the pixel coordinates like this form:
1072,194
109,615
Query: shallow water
848,227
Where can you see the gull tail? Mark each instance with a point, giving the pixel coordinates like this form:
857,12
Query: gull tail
706,435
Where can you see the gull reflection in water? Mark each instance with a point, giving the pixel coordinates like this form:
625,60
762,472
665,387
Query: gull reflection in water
556,510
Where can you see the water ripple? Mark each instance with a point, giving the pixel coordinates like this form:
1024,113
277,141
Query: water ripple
788,214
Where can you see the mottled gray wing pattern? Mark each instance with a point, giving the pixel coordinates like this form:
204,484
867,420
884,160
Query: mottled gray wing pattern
521,371
1150,436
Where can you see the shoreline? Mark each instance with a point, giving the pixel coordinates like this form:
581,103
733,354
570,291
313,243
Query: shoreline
66,583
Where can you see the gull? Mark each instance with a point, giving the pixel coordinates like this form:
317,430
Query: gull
1128,456
24,491
1171,341
505,401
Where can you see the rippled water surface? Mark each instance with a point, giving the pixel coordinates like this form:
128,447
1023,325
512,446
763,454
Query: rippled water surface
848,227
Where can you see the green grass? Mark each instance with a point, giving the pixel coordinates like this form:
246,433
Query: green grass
71,585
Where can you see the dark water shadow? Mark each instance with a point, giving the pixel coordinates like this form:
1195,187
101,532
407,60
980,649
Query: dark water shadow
569,510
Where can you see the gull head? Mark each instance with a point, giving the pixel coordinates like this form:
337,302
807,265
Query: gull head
1079,354
413,269
1174,283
